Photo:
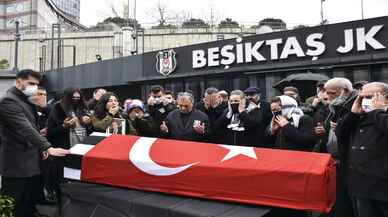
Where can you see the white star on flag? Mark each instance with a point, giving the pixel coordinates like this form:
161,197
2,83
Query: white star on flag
237,150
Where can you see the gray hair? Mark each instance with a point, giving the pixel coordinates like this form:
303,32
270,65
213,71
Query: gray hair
210,90
383,86
340,83
186,94
238,93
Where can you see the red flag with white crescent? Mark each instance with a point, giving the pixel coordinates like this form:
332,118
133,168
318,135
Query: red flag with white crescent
289,179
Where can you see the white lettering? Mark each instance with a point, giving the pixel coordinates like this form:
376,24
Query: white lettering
213,56
292,46
253,52
348,42
313,42
368,38
240,51
226,51
274,47
199,59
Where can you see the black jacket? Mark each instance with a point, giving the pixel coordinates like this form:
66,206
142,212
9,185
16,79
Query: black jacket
21,144
365,139
56,133
217,135
159,113
144,126
177,130
298,139
254,133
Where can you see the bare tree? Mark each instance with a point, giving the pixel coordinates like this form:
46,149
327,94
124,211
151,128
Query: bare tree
160,13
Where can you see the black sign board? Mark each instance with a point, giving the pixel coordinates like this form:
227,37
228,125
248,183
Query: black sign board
364,40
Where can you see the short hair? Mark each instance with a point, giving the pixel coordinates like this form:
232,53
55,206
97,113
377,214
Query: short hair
98,89
383,86
275,99
41,88
341,83
291,88
157,89
186,94
168,92
26,73
211,90
238,93
223,93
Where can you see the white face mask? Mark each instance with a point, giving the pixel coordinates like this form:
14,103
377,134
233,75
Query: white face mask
30,90
367,105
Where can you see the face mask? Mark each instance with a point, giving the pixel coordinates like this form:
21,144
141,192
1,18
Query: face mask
234,107
30,90
367,105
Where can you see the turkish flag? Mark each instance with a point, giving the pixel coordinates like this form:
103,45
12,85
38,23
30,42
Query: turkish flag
289,179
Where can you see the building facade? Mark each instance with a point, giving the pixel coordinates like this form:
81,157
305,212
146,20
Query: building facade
357,50
31,14
35,49
69,7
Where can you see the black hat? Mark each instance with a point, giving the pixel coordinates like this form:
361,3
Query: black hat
252,90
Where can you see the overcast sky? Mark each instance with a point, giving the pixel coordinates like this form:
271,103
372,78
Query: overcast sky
247,12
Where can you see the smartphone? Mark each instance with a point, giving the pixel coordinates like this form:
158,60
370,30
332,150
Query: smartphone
278,113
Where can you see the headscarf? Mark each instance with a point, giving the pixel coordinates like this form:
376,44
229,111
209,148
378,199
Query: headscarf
291,110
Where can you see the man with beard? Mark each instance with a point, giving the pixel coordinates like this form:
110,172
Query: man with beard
22,146
186,123
254,101
213,106
340,97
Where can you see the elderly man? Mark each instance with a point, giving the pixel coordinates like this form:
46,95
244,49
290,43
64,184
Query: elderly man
363,134
22,146
340,97
186,123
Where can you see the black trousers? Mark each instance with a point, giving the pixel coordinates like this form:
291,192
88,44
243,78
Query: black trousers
23,190
371,208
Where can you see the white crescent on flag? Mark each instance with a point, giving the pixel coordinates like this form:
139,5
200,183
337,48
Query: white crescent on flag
140,157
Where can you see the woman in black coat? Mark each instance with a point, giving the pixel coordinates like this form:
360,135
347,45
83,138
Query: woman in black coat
67,123
290,128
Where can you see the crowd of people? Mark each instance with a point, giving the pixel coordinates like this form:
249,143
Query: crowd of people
348,121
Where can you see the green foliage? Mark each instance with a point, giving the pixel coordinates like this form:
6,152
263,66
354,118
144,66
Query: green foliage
122,22
228,23
195,23
4,64
7,206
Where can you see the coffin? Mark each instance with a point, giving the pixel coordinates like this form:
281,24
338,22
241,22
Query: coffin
278,178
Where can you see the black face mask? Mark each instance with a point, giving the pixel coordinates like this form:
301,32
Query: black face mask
76,102
234,107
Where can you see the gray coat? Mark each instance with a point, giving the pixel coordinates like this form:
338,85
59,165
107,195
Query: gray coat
21,142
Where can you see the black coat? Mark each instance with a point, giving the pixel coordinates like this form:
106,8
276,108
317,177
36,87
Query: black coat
365,140
21,144
298,139
177,130
159,113
144,126
214,114
254,133
56,133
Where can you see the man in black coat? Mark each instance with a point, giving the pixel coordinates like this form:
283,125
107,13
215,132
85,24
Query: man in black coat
159,104
22,145
254,99
186,123
213,106
242,124
363,135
